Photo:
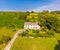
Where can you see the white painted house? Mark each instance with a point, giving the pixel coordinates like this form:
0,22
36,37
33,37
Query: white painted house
31,25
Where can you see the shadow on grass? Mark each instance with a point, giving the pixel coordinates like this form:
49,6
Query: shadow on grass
57,47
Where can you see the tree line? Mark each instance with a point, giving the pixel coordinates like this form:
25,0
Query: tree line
46,19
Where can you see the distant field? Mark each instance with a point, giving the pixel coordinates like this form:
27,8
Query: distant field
24,43
6,32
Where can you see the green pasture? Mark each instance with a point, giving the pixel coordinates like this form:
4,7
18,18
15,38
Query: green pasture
26,43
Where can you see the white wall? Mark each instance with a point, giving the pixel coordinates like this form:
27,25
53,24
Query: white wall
31,27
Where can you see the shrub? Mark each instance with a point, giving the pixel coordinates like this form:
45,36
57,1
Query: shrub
37,31
33,31
50,33
1,42
14,30
31,35
5,39
25,33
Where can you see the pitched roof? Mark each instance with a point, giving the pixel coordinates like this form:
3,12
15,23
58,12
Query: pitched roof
30,23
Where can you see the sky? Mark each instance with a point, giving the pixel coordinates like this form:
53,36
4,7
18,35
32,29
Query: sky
29,5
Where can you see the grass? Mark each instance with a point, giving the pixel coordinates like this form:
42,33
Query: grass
57,36
24,43
2,46
6,32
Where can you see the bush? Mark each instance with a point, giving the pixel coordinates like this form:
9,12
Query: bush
33,31
25,33
1,42
14,30
57,30
5,39
37,31
30,35
50,33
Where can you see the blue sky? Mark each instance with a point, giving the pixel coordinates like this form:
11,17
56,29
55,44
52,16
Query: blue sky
28,5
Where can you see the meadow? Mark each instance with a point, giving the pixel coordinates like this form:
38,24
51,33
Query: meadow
5,32
36,43
26,43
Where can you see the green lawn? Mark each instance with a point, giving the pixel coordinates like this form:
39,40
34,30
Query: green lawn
25,43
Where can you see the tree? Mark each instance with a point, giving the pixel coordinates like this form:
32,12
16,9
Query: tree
51,21
55,12
45,11
32,17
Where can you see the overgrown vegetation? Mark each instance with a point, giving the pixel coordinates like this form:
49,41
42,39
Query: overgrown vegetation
10,22
38,33
5,36
4,39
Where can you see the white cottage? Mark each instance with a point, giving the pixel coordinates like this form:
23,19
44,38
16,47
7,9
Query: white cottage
31,25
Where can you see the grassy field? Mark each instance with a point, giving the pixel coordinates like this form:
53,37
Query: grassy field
6,32
57,36
24,43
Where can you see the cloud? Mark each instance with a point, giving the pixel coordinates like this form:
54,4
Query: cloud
51,7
